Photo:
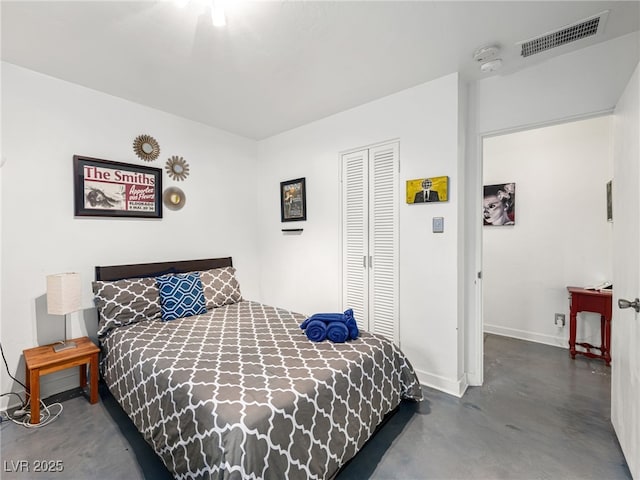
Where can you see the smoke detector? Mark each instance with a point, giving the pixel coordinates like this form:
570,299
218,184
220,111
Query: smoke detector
487,58
491,65
485,53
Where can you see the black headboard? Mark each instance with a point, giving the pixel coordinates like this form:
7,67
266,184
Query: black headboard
118,272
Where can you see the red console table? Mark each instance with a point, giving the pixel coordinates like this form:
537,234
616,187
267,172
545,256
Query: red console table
583,300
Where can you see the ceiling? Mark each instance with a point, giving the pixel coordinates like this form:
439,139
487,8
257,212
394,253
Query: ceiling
277,65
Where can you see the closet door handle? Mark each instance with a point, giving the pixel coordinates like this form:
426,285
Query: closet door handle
364,261
370,261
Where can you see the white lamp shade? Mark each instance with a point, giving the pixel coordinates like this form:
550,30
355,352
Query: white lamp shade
63,293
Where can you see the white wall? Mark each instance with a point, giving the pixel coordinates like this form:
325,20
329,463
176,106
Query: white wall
45,122
303,272
561,236
3,375
571,86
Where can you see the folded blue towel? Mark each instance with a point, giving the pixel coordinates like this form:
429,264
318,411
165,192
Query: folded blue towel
345,318
351,324
353,329
334,317
316,330
337,332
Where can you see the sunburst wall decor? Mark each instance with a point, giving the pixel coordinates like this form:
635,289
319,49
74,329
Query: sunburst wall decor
174,198
146,147
177,168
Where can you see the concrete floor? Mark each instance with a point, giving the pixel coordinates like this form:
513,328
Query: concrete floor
539,415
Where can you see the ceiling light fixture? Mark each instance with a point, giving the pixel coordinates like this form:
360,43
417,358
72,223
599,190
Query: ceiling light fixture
217,14
218,17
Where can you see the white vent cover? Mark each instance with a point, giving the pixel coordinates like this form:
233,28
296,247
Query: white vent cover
584,28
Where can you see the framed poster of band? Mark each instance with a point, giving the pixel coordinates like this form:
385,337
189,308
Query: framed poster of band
103,188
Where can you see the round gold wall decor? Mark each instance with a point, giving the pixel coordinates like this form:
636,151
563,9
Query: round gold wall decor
177,168
174,198
146,147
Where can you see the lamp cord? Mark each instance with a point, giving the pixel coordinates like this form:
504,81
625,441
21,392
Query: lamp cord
46,414
7,367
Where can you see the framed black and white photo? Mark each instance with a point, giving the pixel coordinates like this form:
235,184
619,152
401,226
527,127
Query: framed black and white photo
293,200
103,188
499,204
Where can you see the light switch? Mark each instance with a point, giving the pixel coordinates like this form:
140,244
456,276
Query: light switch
438,224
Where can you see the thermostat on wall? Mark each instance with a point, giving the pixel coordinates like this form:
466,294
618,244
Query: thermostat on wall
438,224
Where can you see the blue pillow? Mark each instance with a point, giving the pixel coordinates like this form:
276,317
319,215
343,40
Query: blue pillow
181,295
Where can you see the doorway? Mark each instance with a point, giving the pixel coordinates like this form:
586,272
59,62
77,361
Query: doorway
560,235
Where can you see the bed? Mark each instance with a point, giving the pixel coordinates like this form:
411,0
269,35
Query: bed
239,391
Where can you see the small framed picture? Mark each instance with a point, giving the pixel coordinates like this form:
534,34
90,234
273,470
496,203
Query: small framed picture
428,190
499,204
293,200
103,188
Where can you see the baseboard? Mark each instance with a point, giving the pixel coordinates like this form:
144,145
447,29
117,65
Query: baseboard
463,384
529,336
473,380
49,385
446,385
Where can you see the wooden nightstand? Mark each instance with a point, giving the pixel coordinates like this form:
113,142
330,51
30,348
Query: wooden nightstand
43,360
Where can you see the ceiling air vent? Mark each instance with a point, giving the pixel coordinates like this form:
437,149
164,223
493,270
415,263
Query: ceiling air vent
584,28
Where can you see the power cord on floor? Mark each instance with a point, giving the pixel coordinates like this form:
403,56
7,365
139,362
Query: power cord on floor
47,416
22,416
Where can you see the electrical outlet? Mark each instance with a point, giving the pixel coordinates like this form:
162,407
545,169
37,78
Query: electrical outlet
559,319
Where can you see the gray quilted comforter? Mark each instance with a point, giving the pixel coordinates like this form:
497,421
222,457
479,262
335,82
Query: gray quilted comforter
241,393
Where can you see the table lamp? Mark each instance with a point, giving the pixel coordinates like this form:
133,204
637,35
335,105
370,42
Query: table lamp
63,297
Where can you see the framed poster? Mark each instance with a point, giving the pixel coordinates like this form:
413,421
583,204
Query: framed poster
428,190
293,200
103,188
499,204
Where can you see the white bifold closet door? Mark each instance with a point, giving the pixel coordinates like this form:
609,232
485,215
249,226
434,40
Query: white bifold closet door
370,238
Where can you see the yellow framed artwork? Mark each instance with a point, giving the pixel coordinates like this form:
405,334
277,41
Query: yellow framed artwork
428,190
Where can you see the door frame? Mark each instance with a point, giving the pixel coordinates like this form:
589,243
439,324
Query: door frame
475,348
